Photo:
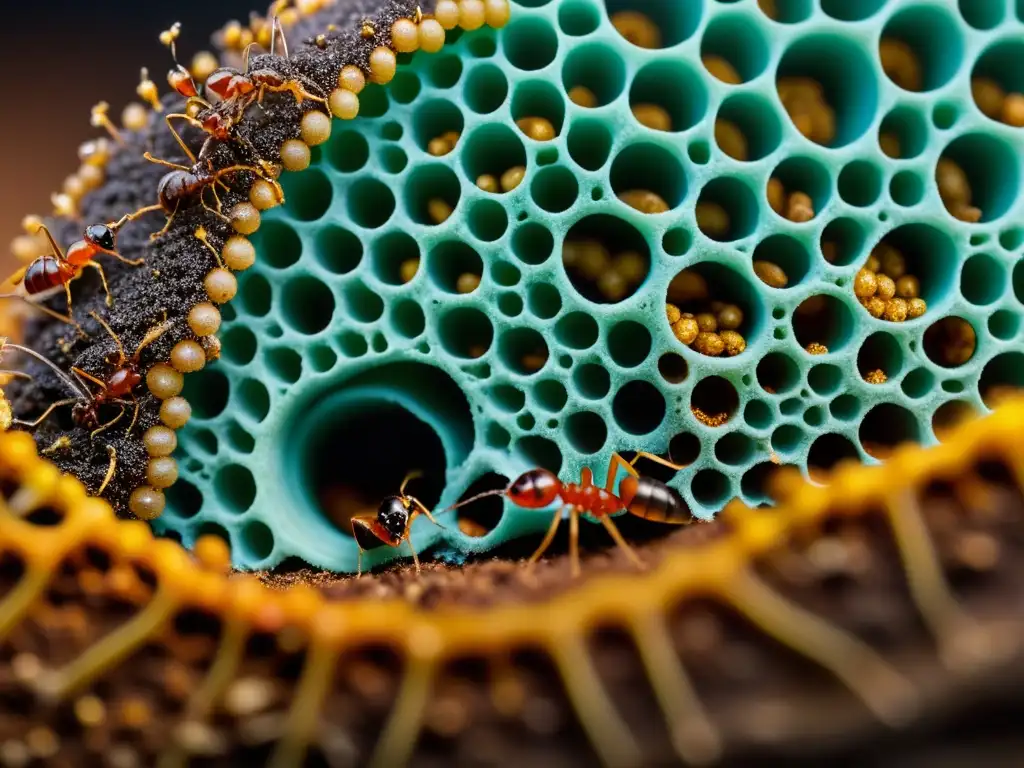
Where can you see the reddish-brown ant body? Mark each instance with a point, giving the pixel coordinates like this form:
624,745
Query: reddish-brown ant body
117,389
244,87
638,495
58,268
392,523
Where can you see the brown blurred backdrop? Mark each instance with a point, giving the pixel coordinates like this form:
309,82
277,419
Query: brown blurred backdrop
59,57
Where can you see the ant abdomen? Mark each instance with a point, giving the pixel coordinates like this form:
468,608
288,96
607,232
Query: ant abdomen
44,273
179,189
652,500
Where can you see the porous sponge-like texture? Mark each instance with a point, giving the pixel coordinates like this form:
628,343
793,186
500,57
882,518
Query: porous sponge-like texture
335,368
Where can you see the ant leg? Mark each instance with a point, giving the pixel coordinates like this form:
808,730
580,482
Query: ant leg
548,537
46,413
614,464
46,310
275,32
104,427
53,243
613,531
415,559
112,452
135,416
423,510
361,521
78,372
133,216
114,336
656,460
177,136
166,163
200,235
574,542
59,444
167,225
129,262
103,279
220,206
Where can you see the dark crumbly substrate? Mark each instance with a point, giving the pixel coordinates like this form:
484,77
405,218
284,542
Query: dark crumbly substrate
170,282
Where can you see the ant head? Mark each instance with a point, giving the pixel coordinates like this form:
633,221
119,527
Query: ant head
393,517
84,413
101,236
534,489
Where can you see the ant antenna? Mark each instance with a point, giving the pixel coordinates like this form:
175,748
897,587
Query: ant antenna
471,499
67,380
110,331
413,474
277,30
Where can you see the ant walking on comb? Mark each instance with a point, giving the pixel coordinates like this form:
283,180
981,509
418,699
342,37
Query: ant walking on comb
392,524
639,495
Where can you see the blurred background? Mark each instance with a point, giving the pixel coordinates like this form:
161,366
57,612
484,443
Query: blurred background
66,55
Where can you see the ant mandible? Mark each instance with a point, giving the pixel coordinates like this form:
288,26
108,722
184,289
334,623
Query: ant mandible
392,524
638,495
118,388
57,269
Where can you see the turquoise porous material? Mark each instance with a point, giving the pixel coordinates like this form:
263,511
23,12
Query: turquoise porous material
337,374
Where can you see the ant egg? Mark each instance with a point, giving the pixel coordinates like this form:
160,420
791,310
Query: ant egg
472,14
408,269
315,128
164,382
135,117
263,195
447,13
213,553
203,65
438,210
382,65
886,287
162,472
351,78
160,441
405,36
147,503
204,319
238,254
721,69
188,357
431,35
814,348
245,218
467,282
734,342
295,155
916,308
344,103
497,13
221,286
90,176
175,412
73,187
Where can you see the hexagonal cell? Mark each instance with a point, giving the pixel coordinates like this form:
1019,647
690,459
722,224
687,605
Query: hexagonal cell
485,90
860,183
465,332
982,280
851,10
307,305
338,250
930,255
433,118
638,407
432,194
843,241
492,150
886,426
823,324
788,255
589,144
826,452
903,134
880,352
370,203
727,209
950,342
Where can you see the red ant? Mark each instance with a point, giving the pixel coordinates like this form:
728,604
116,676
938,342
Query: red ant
638,495
392,523
57,269
228,84
118,388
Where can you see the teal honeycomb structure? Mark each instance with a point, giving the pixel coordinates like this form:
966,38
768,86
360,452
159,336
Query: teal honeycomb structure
333,368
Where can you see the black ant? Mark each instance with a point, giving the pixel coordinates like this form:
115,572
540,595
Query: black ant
58,268
638,495
392,523
118,388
